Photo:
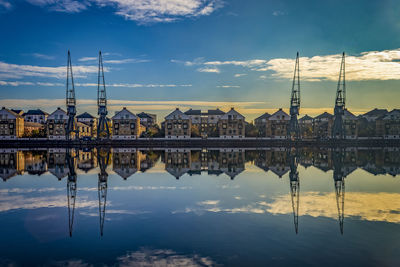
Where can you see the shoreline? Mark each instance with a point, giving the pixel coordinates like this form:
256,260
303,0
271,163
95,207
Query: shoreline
200,143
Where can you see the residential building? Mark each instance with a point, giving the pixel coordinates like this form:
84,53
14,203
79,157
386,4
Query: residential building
89,120
350,125
33,129
36,115
11,124
261,124
388,126
84,130
177,125
323,126
374,114
56,123
306,126
231,125
126,125
367,122
205,123
147,120
277,125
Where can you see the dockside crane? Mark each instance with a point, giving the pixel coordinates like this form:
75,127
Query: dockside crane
70,100
103,130
103,156
294,188
338,131
71,188
293,131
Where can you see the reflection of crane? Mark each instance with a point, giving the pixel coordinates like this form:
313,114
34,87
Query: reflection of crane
338,130
102,128
293,127
338,177
71,188
70,100
102,159
294,188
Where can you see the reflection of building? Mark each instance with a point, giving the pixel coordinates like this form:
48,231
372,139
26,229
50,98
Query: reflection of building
177,161
231,125
149,160
277,125
278,161
35,162
126,125
11,163
11,124
177,125
231,161
56,162
56,123
86,160
205,161
126,161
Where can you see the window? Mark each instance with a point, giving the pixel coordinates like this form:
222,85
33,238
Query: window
224,126
116,125
11,126
240,126
132,126
169,126
185,126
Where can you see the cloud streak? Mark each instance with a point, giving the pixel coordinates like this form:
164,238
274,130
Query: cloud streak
141,11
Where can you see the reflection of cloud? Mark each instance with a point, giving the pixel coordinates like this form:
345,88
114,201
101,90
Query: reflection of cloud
112,211
368,206
13,202
162,257
71,263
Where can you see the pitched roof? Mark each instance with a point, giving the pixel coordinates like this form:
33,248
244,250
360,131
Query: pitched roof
145,115
35,112
266,115
215,112
279,112
11,112
85,115
324,115
375,112
193,112
349,115
305,118
232,112
177,114
121,113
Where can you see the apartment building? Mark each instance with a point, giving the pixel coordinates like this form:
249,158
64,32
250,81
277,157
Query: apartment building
231,125
277,125
177,125
11,124
126,125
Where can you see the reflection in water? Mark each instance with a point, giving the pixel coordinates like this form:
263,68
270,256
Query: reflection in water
126,162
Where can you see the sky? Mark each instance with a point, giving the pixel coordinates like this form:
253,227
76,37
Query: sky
200,54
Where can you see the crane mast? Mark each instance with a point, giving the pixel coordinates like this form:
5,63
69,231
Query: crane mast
70,100
338,131
103,130
293,131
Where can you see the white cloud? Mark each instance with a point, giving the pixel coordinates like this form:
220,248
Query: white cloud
42,56
263,77
210,70
87,59
14,83
68,6
128,60
372,65
5,5
142,11
237,75
19,71
196,61
277,13
228,86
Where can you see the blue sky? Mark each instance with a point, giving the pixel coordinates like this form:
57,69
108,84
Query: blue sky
199,53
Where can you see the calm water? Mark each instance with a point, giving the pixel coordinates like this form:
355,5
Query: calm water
231,207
